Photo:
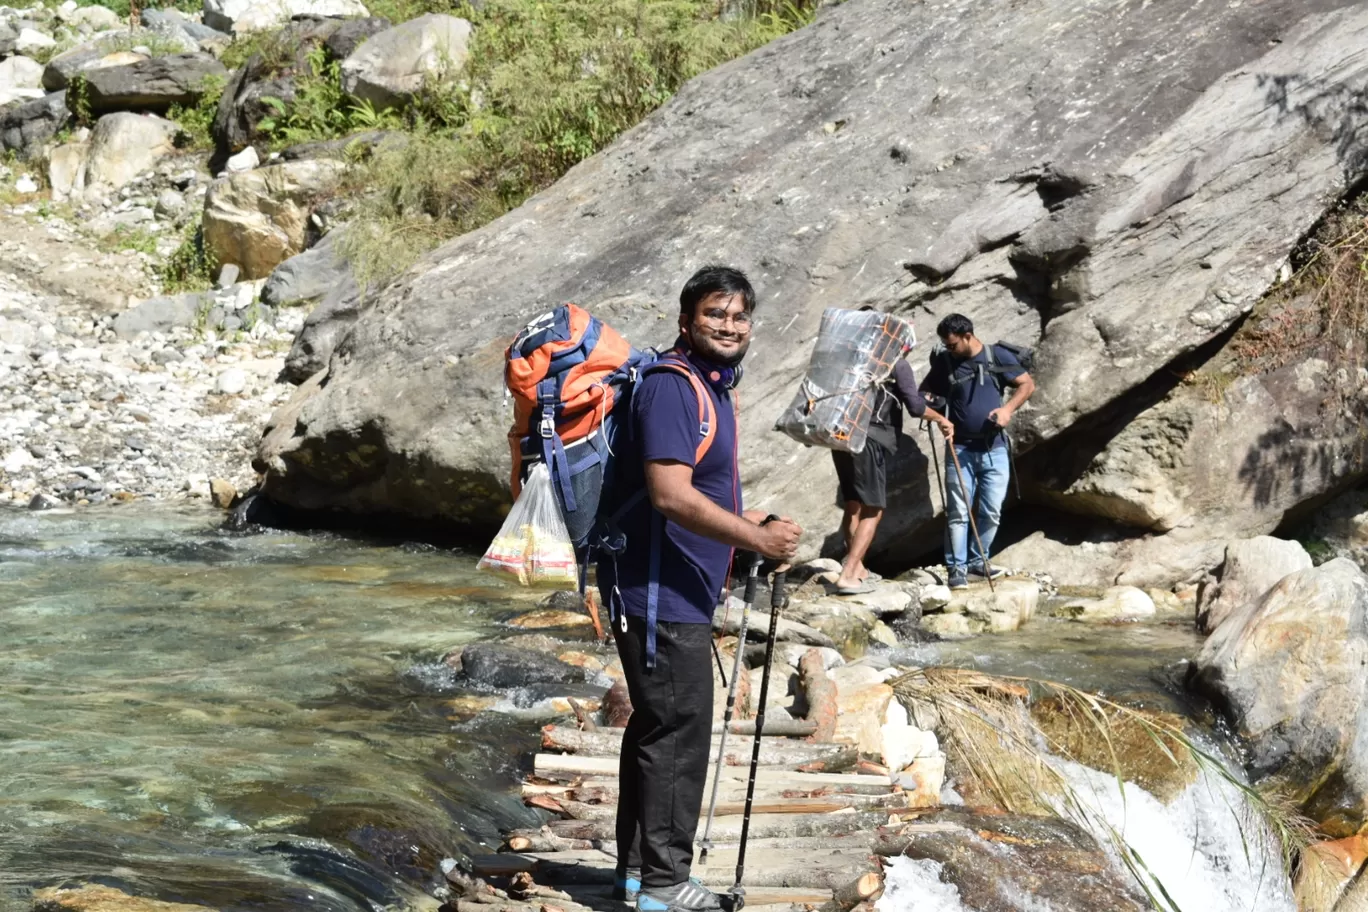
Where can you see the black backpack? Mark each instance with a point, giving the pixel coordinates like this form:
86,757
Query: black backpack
1024,354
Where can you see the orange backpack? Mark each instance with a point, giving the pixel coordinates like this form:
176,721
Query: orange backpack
568,372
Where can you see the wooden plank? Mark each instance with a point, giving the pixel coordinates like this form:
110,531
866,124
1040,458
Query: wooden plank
778,753
559,765
762,825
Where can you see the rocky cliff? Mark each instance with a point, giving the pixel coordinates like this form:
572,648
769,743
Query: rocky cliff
1116,184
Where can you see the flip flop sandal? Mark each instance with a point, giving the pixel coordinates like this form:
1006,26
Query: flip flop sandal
862,589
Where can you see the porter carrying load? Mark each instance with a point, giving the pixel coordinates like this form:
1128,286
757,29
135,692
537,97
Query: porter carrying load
855,354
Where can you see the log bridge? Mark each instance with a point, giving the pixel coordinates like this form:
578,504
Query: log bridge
820,819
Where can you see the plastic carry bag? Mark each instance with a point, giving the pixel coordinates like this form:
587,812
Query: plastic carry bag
855,353
533,545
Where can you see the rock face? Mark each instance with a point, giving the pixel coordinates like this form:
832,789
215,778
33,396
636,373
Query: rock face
1251,568
60,70
152,85
1120,224
24,128
123,145
257,219
1291,670
242,16
393,65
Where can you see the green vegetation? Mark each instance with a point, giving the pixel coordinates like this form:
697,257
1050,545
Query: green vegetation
130,237
78,101
190,267
197,121
546,86
319,109
1323,307
158,43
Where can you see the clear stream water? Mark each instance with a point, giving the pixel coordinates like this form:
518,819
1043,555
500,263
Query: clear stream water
263,721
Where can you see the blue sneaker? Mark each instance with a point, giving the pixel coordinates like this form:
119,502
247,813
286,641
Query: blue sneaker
626,886
977,570
689,896
958,579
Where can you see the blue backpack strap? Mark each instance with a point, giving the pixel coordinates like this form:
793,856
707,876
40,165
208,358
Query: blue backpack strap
553,450
653,586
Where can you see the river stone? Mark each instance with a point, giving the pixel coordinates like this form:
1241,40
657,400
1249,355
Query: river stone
26,127
32,41
243,16
20,73
390,67
99,898
1116,603
258,219
172,19
61,69
502,666
1003,608
543,620
95,18
124,145
1039,202
152,85
1250,569
66,169
162,314
1016,863
307,276
1291,672
349,36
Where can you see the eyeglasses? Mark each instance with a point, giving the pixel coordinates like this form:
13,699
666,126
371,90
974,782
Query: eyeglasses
717,317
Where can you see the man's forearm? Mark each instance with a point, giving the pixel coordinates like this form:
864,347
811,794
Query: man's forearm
1021,392
695,512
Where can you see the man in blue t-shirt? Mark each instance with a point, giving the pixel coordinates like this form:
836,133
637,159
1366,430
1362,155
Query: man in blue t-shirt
973,381
679,544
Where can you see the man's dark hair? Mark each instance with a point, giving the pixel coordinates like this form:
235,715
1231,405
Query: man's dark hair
711,280
955,325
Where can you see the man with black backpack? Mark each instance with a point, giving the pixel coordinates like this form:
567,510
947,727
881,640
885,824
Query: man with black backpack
662,583
973,379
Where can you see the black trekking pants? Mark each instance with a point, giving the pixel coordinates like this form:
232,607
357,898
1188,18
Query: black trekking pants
664,760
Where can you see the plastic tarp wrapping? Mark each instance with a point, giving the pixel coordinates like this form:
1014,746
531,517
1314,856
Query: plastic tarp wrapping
856,351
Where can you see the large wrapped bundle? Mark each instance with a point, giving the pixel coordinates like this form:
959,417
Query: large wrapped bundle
856,351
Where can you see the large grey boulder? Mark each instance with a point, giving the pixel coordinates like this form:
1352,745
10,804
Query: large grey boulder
243,16
152,85
172,20
1118,205
60,70
318,274
163,314
25,128
124,145
20,72
308,276
1251,568
258,219
1291,671
388,68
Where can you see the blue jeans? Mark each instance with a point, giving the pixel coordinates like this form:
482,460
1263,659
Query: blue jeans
985,485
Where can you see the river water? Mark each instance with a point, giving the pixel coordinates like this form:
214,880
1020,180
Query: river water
262,721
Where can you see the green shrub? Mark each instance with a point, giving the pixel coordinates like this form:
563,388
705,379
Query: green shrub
546,86
130,237
197,121
319,109
190,267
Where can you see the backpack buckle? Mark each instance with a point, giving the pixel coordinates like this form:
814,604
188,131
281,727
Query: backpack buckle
548,424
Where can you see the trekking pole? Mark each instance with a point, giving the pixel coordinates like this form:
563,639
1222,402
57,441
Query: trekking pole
935,461
969,508
723,603
777,600
752,579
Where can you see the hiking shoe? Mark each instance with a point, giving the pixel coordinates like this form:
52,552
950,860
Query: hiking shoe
626,886
958,579
689,896
997,573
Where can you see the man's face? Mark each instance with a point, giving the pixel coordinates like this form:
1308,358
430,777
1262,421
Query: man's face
959,346
719,330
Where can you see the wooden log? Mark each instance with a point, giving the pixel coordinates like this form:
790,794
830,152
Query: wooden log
581,810
865,888
617,705
537,841
762,825
561,765
791,754
820,692
774,728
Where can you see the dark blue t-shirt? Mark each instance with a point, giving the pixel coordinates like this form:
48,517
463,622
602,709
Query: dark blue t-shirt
974,396
693,568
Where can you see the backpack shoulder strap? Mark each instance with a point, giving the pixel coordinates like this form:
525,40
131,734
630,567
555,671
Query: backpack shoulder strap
707,418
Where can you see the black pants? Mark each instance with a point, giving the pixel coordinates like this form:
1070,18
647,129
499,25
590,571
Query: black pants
665,749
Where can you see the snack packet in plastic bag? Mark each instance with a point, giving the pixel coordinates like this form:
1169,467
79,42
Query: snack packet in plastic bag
533,545
855,353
